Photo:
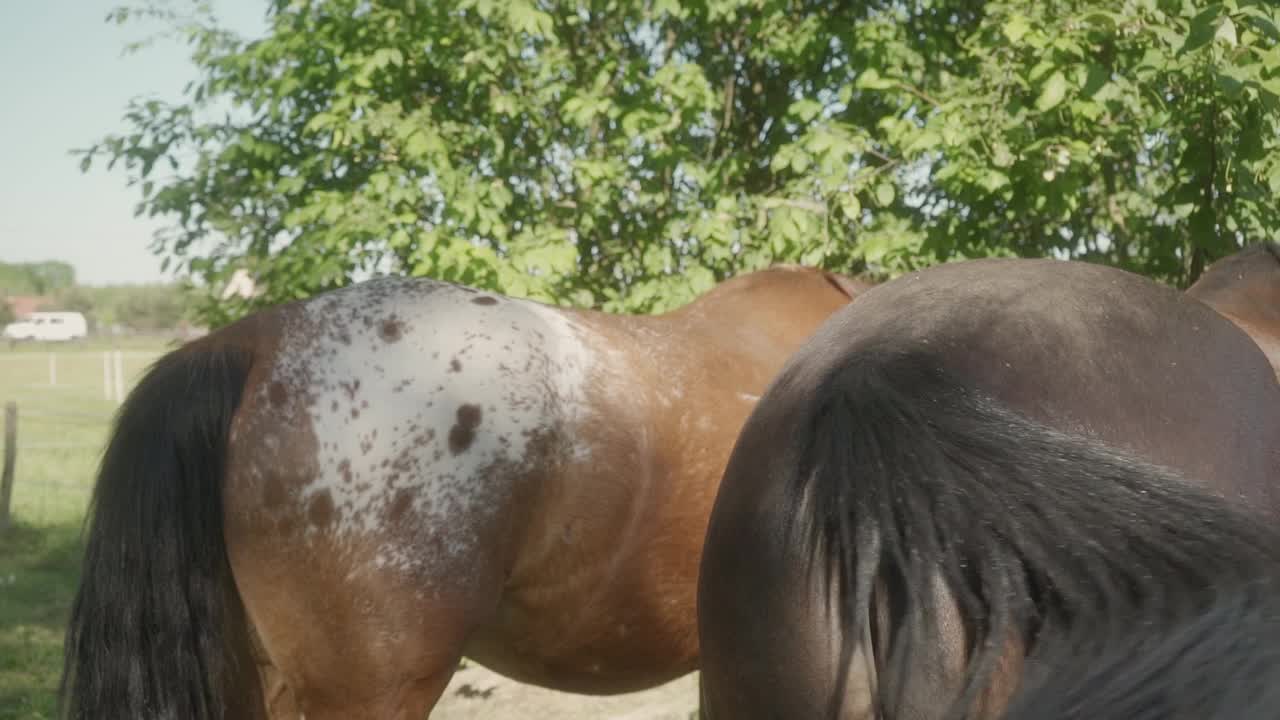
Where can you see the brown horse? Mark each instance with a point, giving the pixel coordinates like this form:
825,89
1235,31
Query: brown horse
356,490
1245,287
977,466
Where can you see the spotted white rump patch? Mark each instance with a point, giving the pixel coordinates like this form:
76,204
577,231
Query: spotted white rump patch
424,399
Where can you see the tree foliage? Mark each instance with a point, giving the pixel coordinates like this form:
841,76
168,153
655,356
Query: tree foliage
36,278
629,153
141,308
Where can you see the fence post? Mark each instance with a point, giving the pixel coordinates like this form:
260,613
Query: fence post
119,377
10,459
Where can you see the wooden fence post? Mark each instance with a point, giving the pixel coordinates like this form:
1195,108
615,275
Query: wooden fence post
10,459
119,377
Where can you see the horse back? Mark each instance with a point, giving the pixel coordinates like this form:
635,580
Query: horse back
1245,288
1093,351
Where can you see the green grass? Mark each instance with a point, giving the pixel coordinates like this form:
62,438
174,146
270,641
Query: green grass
61,431
38,570
95,343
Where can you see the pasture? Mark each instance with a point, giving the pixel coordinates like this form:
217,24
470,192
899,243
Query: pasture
61,428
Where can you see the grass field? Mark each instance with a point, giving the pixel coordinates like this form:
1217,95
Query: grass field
61,430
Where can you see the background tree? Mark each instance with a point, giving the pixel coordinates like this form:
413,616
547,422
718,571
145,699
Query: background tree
37,278
74,299
628,154
143,308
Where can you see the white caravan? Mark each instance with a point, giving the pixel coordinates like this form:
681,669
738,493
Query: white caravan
48,326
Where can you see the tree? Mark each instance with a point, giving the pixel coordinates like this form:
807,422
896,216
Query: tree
151,308
38,278
629,154
76,299
1141,133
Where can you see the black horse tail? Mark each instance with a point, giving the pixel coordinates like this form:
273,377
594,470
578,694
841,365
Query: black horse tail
157,629
1222,664
908,475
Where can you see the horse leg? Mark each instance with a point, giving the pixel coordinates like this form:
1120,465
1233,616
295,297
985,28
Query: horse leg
395,697
280,699
377,653
413,701
351,633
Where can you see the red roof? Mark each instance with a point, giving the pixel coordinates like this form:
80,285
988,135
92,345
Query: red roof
24,305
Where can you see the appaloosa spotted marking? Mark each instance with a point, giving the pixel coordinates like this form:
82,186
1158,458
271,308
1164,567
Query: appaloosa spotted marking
486,375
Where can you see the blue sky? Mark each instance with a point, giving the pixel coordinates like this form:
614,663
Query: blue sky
64,83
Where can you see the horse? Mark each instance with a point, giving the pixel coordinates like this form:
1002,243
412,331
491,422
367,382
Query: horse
1220,664
968,466
1245,287
318,510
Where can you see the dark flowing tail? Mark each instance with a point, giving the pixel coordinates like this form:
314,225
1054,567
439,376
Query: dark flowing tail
157,629
1223,664
908,475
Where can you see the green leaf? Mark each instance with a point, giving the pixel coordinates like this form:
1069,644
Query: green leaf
700,279
555,258
993,180
869,79
885,194
1261,22
1001,156
806,110
1053,92
1016,27
1226,33
850,206
1203,28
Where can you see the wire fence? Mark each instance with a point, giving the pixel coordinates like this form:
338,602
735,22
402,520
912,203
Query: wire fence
42,369
63,403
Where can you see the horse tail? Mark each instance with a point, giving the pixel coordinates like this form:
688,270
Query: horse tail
157,629
1221,664
907,475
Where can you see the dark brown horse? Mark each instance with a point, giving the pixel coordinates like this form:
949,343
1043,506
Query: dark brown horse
1245,287
347,494
967,469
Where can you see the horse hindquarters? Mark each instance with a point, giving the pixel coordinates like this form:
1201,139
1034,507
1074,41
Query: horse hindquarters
157,629
379,480
880,469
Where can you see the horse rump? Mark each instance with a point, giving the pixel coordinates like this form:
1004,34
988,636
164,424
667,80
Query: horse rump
1045,540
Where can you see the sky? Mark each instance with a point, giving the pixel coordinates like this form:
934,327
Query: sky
65,82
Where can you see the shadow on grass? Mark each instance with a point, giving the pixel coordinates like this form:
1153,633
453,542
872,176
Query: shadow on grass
39,568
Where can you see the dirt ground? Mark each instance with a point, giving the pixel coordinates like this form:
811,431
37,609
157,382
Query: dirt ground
476,692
